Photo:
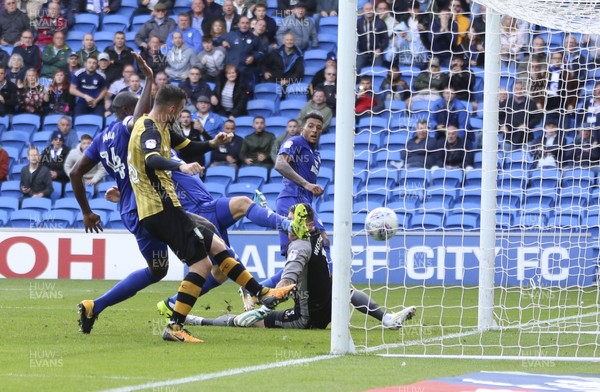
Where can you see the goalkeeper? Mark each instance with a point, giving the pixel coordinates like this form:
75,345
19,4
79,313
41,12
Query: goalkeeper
307,267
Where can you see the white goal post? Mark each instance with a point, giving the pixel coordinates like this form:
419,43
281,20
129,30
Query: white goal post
520,304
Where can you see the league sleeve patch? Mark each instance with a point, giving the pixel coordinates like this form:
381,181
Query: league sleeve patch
288,144
292,255
150,144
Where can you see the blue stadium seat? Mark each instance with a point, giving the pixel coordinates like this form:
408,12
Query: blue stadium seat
50,122
436,202
103,205
11,189
4,218
14,155
568,222
271,192
57,219
114,23
115,222
328,25
386,178
16,139
449,178
243,126
78,223
504,220
358,221
255,175
277,124
364,206
362,160
540,198
138,21
247,225
4,123
509,198
9,204
89,190
404,204
56,190
473,178
268,91
88,123
276,178
369,139
328,158
130,39
327,142
25,122
578,177
325,206
241,189
74,39
327,220
518,160
427,221
297,90
104,186
372,125
461,221
515,178
545,178
328,42
39,204
365,192
127,8
67,203
325,177
532,221
104,39
291,107
24,219
466,206
216,190
86,22
261,107
573,196
223,175
315,57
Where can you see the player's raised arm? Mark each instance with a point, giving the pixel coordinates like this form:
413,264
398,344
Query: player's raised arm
144,104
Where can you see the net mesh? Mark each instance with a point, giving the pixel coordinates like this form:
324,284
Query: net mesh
418,151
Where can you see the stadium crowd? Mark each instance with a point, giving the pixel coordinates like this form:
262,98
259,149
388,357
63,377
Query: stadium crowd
249,66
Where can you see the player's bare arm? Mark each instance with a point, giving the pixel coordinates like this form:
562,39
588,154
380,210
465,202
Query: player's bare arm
283,166
91,221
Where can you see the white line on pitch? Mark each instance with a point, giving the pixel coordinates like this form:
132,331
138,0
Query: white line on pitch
225,373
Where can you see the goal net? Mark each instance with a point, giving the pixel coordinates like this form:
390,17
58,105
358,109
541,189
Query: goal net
420,150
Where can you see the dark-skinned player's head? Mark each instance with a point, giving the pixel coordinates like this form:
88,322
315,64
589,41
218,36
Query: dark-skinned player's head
124,104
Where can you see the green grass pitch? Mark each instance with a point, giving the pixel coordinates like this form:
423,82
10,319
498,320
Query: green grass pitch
41,348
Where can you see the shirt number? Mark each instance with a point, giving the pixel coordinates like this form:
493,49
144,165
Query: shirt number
114,162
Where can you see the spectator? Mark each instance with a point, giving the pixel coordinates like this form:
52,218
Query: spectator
191,36
205,121
260,13
106,7
36,180
449,111
319,78
211,60
241,8
96,174
301,26
420,150
393,86
146,7
31,53
180,58
230,18
547,150
327,8
16,69
57,97
519,109
194,131
155,54
218,28
463,22
537,81
259,29
119,53
135,85
213,10
55,55
441,36
452,152
70,138
575,60
367,101
474,48
318,103
460,79
4,57
90,88
284,65
591,108
406,48
54,157
73,63
256,149
4,161
199,19
290,130
286,7
159,26
514,138
66,10
538,49
195,87
30,93
585,151
88,49
230,97
111,72
50,22
12,23
118,85
512,40
372,39
329,87
228,154
243,50
561,90
8,94
429,84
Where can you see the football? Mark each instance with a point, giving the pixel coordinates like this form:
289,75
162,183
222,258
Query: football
381,223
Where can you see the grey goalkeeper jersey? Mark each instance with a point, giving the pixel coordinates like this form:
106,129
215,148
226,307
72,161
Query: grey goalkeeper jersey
306,265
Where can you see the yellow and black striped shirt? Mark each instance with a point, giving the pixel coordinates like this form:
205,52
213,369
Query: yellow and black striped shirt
154,190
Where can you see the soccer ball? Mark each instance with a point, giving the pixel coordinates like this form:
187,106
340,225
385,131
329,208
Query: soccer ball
381,223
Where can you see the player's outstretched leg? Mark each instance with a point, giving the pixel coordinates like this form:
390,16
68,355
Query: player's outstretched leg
365,304
396,320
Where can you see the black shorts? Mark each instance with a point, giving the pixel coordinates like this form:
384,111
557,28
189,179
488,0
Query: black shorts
288,319
175,228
